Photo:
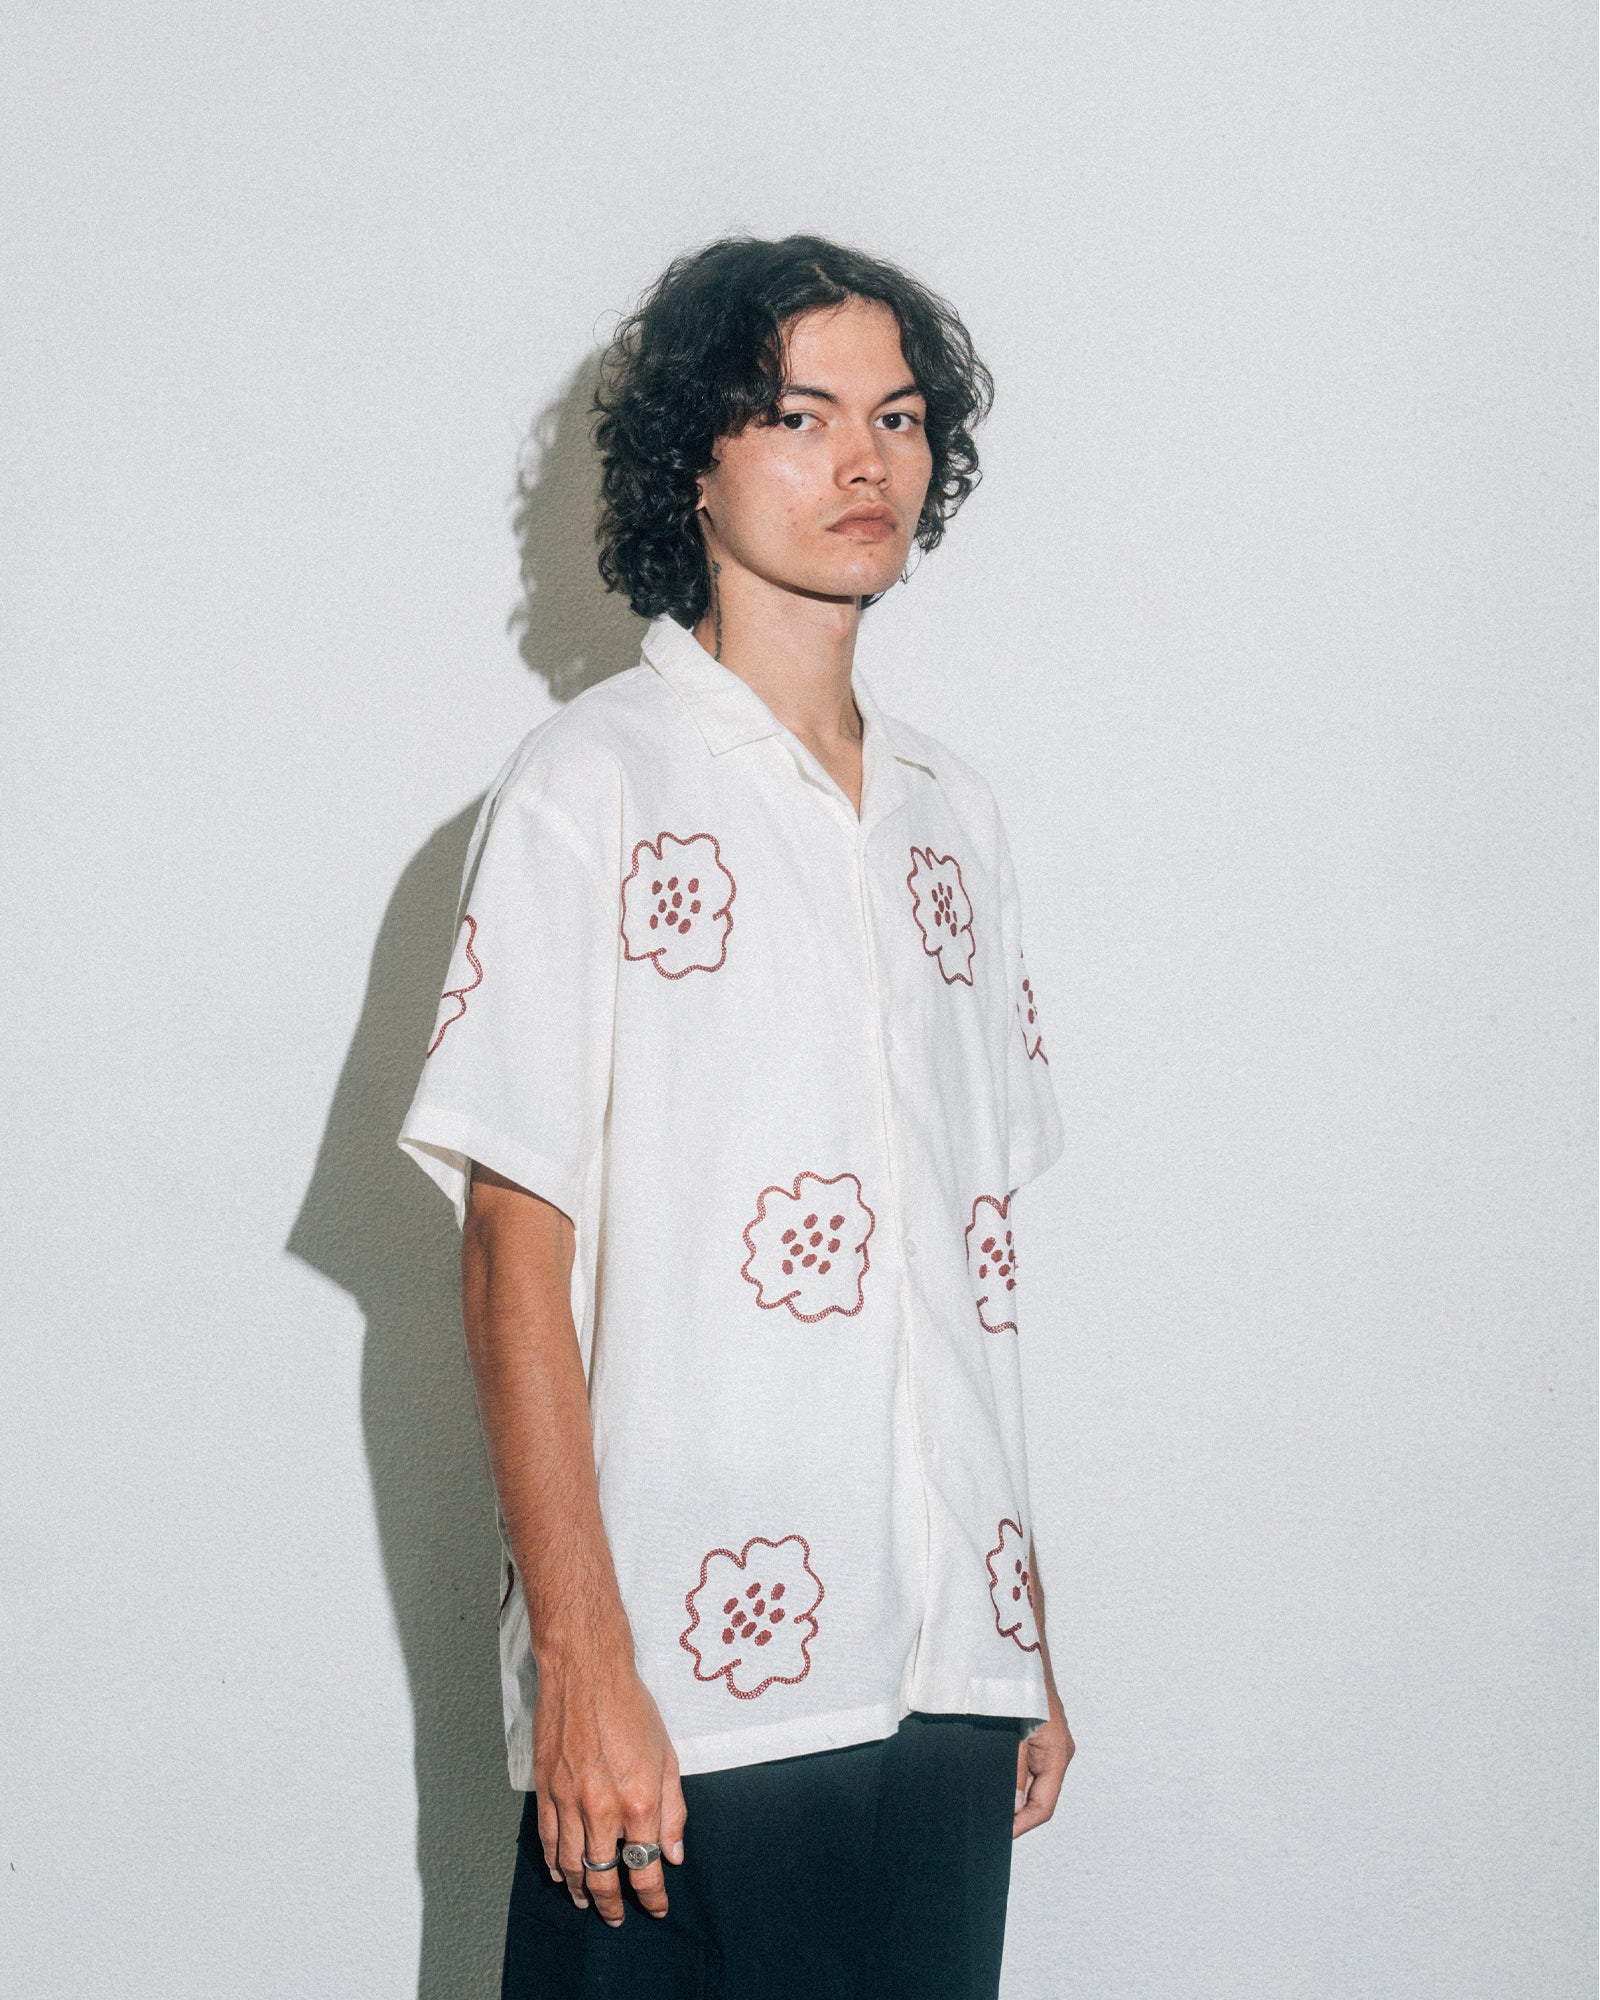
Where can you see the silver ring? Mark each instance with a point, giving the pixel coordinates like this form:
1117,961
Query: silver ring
640,1853
597,1867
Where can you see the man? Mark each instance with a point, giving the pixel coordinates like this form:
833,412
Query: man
734,1076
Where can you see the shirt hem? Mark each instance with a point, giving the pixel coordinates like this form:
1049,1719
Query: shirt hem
981,1695
725,1750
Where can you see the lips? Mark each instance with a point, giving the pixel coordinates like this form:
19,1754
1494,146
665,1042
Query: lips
865,524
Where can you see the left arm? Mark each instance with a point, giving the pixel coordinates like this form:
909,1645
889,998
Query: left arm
1043,1757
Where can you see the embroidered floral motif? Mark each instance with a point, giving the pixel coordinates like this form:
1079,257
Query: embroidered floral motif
992,1262
1028,1018
677,904
453,1002
1011,1587
751,1616
943,911
808,1246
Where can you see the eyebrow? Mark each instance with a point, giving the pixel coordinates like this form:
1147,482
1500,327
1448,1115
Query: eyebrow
827,396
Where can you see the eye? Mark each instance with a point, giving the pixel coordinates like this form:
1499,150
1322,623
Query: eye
794,420
902,421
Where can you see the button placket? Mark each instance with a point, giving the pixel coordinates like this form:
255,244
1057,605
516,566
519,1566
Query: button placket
923,1442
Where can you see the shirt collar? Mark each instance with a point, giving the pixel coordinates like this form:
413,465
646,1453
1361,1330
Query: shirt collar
727,710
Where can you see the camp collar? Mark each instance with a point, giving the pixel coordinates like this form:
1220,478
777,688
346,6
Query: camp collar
727,710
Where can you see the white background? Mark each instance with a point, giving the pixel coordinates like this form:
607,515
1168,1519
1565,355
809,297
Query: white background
1270,624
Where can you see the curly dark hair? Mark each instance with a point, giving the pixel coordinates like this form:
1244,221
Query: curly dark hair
702,357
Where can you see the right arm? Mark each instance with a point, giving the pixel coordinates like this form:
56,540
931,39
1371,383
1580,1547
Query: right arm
603,1764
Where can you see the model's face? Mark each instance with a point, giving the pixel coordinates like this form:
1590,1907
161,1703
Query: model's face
826,499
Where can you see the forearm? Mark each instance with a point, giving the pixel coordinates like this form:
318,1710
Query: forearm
1044,1754
1038,1618
516,1262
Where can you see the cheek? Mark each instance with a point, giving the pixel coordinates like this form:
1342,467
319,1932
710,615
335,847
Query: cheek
762,498
918,470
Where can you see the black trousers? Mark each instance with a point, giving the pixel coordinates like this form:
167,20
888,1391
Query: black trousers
875,1872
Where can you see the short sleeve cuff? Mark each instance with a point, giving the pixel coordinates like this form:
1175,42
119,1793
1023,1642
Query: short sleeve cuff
443,1143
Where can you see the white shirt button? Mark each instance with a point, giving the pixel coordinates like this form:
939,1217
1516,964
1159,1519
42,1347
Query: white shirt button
930,1444
911,1251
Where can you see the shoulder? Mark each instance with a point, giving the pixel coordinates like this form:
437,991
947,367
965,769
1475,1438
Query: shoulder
580,753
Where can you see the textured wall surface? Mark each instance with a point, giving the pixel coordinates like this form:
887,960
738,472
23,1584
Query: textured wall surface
1270,624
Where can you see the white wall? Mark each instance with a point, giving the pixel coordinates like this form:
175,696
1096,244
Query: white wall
1270,624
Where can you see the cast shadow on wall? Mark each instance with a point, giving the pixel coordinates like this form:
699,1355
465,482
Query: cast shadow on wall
373,1224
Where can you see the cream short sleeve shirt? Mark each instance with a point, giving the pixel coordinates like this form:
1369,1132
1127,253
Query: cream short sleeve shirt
783,1068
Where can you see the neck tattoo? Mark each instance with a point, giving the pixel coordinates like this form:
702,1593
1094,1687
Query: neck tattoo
716,604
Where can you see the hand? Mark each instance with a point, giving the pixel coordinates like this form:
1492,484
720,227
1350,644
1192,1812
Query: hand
604,1769
1042,1761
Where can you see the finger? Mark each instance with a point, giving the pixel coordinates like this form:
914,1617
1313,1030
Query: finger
643,1823
569,1852
674,1812
1040,1803
649,1885
601,1834
548,1835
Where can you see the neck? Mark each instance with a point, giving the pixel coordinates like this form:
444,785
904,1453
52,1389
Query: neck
795,650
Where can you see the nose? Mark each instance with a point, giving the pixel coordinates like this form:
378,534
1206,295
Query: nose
860,461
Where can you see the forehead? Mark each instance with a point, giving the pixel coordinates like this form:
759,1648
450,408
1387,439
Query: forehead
857,340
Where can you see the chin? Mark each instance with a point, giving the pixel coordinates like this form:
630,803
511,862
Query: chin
857,578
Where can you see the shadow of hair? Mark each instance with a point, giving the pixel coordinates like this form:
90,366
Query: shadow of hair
569,629
371,1223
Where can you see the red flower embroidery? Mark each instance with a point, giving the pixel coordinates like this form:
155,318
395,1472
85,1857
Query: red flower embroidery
751,1616
1028,1018
1011,1588
677,904
453,1002
943,911
992,1262
808,1246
